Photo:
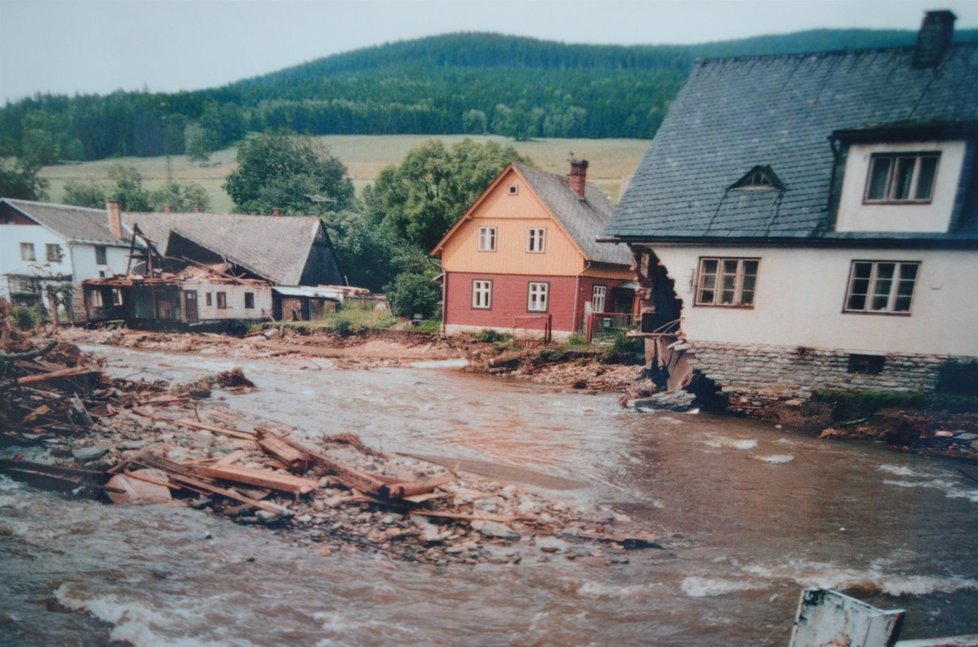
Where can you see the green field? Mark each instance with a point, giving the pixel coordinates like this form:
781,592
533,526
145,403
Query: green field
612,162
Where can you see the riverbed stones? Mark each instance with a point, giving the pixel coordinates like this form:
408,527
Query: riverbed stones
88,454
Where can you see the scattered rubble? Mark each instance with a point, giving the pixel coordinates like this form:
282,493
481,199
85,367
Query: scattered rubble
155,442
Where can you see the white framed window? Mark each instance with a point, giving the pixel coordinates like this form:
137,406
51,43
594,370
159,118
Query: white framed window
481,294
536,239
249,300
222,300
726,282
100,255
27,252
487,239
901,177
881,286
536,300
52,252
598,297
116,297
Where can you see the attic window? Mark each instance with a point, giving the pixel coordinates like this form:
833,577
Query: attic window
759,177
514,189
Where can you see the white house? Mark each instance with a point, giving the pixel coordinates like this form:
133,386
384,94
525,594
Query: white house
45,248
811,221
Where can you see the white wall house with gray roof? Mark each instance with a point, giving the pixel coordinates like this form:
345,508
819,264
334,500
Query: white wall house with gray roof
46,245
811,221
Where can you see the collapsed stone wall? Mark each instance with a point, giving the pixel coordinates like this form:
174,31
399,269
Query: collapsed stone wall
754,376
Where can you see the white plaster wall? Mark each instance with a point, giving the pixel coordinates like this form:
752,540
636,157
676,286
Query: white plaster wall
800,295
235,301
11,236
933,217
83,257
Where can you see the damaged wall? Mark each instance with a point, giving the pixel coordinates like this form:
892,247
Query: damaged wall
748,372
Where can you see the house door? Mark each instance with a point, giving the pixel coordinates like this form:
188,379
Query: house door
190,299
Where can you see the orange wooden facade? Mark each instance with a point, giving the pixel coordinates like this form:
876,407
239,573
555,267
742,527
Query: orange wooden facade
498,242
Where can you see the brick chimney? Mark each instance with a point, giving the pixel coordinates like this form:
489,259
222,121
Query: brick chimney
277,212
115,218
578,176
934,38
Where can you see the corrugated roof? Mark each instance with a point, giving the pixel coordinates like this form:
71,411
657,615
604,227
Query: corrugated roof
779,111
275,248
583,219
76,224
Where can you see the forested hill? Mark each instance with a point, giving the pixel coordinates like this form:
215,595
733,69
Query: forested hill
457,83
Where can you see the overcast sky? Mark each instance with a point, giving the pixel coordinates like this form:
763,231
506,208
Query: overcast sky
97,46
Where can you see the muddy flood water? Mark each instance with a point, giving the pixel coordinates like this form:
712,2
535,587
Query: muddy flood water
749,515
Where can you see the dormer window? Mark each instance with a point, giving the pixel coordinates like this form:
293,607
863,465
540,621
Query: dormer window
902,178
759,177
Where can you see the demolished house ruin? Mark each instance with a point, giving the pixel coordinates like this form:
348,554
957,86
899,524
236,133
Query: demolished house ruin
213,270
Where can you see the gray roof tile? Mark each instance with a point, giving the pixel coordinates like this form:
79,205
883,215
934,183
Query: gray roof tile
272,247
734,114
583,219
75,224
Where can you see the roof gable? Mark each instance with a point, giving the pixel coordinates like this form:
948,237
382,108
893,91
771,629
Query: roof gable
74,224
581,220
779,112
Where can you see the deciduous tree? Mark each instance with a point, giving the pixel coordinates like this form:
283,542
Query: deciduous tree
293,173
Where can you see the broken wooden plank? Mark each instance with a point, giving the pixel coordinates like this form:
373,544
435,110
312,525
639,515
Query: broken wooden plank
261,478
203,426
348,476
414,488
183,476
470,516
274,446
55,375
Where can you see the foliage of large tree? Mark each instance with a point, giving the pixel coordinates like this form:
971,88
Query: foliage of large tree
434,185
19,179
291,172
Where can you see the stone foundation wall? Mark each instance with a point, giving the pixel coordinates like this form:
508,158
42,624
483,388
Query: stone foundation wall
754,376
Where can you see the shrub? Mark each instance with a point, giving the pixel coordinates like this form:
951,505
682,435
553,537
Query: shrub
623,350
576,340
30,318
491,336
855,404
429,326
412,294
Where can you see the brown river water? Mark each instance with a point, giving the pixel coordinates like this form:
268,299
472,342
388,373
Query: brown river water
749,513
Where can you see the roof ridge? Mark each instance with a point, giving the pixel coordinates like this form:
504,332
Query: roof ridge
822,53
53,205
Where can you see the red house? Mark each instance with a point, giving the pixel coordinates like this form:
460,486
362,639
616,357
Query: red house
524,258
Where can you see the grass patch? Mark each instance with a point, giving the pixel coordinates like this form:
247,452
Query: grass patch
612,160
428,326
854,404
623,350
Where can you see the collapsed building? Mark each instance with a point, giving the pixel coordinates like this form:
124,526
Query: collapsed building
213,270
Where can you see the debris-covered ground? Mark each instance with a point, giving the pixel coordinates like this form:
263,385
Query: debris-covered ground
67,426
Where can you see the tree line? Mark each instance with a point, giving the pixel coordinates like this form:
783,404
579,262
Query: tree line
452,84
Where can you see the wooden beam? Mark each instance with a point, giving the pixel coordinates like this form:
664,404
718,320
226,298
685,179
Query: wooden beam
261,478
348,476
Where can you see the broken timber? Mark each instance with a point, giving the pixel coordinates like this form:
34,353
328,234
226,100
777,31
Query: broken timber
262,478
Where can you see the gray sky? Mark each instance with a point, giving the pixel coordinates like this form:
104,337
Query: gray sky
97,46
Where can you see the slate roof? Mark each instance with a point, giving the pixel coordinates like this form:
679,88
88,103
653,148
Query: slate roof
275,248
75,224
583,219
779,111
